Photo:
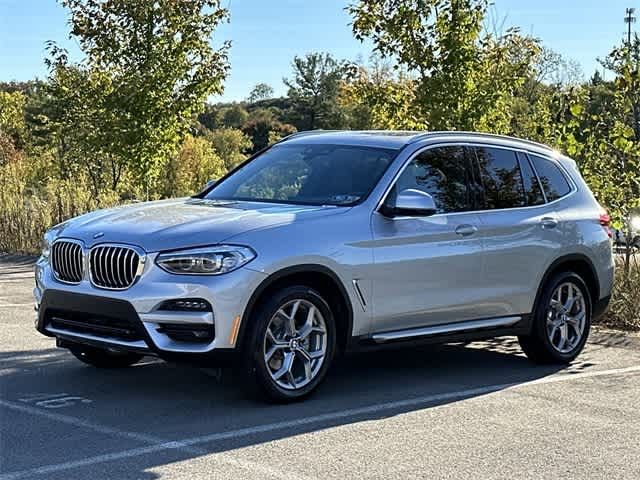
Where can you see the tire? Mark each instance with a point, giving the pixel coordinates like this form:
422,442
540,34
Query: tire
271,352
100,358
552,321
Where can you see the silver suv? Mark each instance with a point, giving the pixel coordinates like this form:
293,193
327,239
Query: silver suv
335,241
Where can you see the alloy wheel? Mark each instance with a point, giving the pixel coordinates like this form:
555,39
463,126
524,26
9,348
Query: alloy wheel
295,344
565,318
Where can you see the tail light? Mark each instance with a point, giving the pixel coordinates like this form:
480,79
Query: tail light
605,221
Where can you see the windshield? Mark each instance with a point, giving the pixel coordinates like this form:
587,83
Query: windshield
307,174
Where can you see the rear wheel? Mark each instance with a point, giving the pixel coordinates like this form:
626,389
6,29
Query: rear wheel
101,358
561,321
291,344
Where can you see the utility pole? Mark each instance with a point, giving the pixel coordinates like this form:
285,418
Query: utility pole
629,19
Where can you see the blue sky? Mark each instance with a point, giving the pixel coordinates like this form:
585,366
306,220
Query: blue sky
266,34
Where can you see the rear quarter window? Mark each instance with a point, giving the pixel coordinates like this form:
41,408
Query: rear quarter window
554,183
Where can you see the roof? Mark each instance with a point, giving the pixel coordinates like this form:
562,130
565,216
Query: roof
397,139
369,138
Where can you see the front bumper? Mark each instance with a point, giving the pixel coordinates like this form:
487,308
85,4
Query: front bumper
132,320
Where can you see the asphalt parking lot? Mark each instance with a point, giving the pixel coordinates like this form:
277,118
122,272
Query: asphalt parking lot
453,411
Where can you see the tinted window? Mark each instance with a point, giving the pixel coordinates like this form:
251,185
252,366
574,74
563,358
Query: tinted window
554,183
307,174
531,185
441,172
500,176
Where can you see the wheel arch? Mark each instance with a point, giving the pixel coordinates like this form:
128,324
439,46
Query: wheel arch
318,277
577,263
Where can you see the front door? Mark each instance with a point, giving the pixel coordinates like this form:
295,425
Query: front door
428,270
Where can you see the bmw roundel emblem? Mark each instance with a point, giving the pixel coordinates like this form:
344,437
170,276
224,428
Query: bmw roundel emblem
98,235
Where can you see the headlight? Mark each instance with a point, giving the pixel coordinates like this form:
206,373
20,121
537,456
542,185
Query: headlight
45,245
214,260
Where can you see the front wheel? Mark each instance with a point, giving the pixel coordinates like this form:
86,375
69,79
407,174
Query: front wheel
101,358
561,321
291,344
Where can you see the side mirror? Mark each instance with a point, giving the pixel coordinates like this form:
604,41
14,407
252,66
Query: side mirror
412,203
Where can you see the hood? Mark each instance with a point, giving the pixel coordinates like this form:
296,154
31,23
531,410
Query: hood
183,223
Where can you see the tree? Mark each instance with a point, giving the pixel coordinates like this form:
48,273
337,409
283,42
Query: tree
379,97
12,123
157,61
314,89
261,91
263,128
230,145
463,78
234,116
602,132
194,164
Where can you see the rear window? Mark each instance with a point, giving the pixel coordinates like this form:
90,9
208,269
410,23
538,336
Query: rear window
554,183
501,178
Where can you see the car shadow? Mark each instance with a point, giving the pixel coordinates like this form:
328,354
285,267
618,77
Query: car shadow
174,402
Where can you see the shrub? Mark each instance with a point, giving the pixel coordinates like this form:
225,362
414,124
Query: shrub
195,164
624,309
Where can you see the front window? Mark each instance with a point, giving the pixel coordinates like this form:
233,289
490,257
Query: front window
307,174
441,172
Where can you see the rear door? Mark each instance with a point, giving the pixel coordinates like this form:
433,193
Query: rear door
518,229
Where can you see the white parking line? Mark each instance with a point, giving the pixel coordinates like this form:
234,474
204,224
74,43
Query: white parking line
76,422
12,305
328,417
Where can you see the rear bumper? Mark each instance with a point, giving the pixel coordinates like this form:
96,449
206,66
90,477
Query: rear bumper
600,307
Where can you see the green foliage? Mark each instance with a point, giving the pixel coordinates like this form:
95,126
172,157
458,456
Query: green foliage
234,117
12,123
378,97
191,168
230,145
156,65
314,89
462,79
263,128
261,91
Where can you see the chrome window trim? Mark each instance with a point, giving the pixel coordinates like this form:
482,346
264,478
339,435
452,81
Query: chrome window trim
464,143
142,260
83,250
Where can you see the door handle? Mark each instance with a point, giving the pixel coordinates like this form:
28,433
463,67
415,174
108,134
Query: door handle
549,222
465,230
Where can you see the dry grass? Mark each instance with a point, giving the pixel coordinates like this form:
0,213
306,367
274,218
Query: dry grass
28,207
624,309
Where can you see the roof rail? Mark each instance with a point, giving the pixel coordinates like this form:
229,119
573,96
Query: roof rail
305,133
424,135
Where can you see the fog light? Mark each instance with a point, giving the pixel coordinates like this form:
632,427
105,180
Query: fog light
186,305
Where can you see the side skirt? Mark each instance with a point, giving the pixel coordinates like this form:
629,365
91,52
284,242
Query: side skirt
449,333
